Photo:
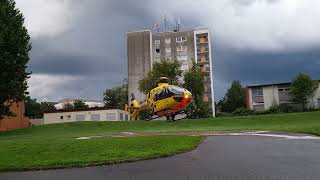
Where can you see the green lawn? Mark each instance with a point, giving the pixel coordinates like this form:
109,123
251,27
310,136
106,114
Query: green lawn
293,122
57,153
54,146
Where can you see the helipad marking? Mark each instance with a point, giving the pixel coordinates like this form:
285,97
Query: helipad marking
265,134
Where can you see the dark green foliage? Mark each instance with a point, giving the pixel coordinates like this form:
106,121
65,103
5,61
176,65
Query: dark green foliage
235,98
145,114
164,68
116,97
302,87
242,112
194,83
78,104
282,108
47,107
32,108
68,106
14,56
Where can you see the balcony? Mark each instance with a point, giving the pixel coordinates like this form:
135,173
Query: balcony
202,50
203,59
202,40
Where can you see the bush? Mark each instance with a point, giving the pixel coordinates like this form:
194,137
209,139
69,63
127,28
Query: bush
282,108
242,112
145,114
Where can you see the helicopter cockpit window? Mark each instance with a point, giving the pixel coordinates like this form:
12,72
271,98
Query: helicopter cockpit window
176,90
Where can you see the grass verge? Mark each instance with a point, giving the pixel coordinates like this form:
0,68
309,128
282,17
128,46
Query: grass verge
61,153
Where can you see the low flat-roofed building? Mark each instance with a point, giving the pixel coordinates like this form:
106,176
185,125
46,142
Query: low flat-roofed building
262,97
90,114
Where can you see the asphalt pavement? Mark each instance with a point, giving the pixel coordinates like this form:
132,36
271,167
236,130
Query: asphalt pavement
224,157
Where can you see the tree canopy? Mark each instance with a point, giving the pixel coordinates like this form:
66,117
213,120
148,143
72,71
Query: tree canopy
78,104
14,56
163,68
302,88
234,98
193,81
34,109
116,97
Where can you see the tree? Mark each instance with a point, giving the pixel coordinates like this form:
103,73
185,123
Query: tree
116,97
14,56
68,106
78,104
32,108
235,98
164,68
47,107
194,83
302,88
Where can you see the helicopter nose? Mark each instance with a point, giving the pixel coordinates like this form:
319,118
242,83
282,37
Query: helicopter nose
187,95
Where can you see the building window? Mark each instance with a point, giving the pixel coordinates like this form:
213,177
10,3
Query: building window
182,58
158,50
181,39
283,89
157,42
80,117
127,117
184,67
95,117
111,116
168,50
182,48
167,40
69,117
257,92
61,117
121,116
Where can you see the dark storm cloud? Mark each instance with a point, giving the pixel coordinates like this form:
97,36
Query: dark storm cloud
254,68
93,45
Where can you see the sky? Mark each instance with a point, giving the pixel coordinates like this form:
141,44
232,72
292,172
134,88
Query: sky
79,46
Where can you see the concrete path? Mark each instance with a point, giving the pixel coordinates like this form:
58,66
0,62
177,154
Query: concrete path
249,156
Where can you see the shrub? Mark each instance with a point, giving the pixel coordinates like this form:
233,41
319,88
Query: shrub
282,108
242,112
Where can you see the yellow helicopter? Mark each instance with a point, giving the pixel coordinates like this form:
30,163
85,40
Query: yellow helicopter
163,101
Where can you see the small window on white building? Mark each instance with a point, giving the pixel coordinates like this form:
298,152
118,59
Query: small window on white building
181,39
95,117
168,50
182,58
80,117
167,40
157,50
127,117
184,67
157,42
61,117
111,116
121,116
69,117
182,48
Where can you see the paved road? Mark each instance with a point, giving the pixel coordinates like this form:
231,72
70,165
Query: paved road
219,157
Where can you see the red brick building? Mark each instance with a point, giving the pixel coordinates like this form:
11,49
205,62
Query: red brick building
15,122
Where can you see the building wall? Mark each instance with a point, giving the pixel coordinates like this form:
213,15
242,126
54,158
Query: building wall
173,45
278,94
16,122
139,60
142,54
62,117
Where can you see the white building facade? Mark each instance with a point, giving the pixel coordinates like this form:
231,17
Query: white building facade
262,97
93,114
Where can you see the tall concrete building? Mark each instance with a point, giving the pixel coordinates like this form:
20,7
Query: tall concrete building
146,47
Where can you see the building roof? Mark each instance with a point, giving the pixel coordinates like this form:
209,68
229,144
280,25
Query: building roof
80,110
272,84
